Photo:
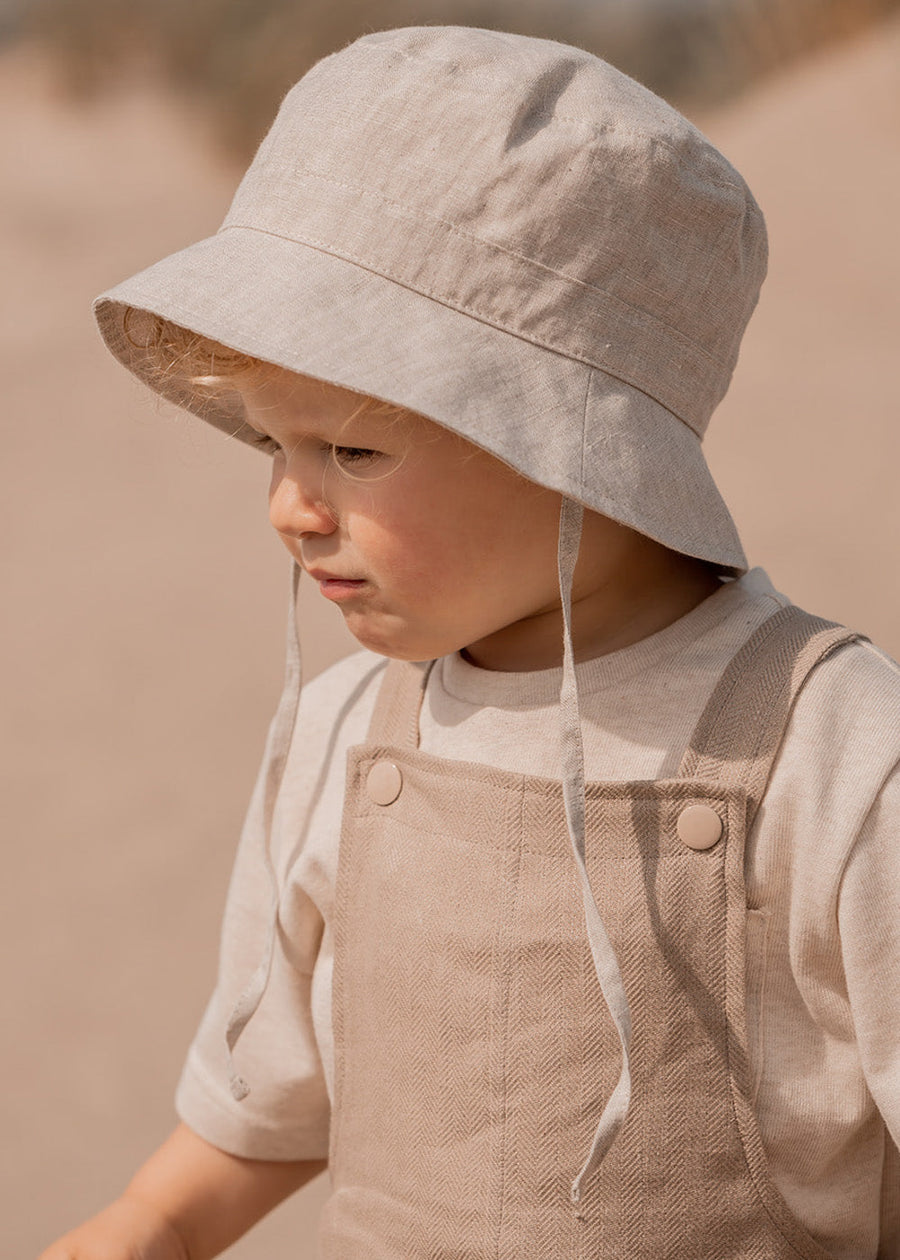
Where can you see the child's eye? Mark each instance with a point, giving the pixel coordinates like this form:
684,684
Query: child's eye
265,443
353,454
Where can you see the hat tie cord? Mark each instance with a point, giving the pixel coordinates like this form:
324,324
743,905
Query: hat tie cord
572,775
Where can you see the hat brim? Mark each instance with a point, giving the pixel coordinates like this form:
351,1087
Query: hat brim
310,311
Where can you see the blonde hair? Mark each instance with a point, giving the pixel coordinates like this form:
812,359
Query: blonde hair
204,369
197,363
171,352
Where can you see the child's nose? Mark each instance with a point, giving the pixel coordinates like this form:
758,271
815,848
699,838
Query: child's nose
295,509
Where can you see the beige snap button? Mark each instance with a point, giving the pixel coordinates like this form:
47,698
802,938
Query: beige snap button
699,826
383,782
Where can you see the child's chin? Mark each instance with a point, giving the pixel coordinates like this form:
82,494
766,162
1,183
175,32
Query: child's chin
396,643
381,640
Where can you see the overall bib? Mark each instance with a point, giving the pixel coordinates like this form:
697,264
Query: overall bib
473,1048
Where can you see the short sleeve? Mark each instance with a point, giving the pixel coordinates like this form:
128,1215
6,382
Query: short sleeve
869,923
286,1113
824,869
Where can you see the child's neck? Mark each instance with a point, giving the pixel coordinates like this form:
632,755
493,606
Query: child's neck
650,589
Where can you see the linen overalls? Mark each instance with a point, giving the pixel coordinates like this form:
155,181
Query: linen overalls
474,1052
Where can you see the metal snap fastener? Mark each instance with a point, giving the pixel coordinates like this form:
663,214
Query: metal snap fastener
383,782
699,827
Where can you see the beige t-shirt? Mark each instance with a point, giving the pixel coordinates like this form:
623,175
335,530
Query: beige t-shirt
823,879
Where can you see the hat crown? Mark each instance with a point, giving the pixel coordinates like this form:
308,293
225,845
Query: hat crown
527,184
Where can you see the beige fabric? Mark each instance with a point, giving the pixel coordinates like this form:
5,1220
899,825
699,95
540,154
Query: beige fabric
504,234
825,895
473,1005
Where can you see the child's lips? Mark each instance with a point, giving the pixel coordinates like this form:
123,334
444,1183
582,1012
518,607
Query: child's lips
335,587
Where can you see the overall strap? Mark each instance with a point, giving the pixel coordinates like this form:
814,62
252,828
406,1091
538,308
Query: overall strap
742,727
395,718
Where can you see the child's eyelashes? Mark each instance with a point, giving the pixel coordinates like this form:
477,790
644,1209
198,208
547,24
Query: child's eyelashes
265,443
353,454
344,456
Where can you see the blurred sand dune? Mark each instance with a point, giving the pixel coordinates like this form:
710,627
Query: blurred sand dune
145,599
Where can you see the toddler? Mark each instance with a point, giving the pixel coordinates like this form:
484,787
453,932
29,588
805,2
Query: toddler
572,929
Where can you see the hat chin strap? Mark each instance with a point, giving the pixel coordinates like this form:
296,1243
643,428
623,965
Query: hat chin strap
572,761
280,736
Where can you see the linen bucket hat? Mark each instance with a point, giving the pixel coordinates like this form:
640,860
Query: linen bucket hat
504,234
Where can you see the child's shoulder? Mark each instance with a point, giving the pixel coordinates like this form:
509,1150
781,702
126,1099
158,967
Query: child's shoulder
858,678
847,715
853,694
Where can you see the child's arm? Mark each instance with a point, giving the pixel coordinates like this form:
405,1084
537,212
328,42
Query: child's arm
188,1202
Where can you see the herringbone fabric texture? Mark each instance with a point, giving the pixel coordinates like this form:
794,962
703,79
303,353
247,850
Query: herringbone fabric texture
473,1050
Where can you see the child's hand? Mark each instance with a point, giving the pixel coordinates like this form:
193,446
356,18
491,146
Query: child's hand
128,1229
190,1201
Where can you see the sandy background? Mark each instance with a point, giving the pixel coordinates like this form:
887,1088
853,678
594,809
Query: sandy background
144,599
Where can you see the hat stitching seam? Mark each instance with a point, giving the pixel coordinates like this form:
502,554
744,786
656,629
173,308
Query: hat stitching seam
464,308
412,214
604,502
187,316
584,412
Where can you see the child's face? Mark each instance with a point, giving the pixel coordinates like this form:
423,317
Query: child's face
426,543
